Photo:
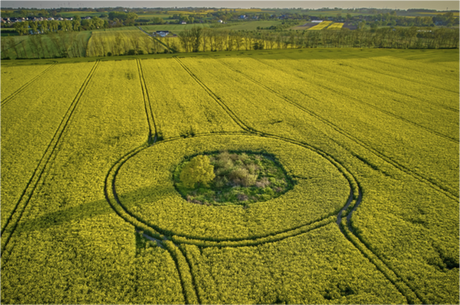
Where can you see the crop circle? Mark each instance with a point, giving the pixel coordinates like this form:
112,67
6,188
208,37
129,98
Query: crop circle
145,187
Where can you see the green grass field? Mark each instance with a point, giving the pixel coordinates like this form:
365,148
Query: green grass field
175,28
82,14
369,137
251,26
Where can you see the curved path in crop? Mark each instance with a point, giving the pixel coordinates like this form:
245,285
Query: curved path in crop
157,234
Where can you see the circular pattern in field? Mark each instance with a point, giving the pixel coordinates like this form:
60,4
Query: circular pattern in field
145,187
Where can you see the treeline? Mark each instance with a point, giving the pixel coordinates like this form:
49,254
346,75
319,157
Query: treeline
54,45
76,24
117,43
447,19
47,26
202,39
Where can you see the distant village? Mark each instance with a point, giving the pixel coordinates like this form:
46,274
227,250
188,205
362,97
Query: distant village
8,20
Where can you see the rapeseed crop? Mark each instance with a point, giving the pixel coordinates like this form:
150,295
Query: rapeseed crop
148,192
368,138
181,106
335,26
322,25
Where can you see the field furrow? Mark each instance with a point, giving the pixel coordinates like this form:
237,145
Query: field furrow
407,149
15,79
316,267
290,176
11,224
385,96
181,106
436,71
70,240
383,195
30,128
429,82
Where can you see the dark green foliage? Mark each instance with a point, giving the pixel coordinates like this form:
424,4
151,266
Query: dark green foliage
240,178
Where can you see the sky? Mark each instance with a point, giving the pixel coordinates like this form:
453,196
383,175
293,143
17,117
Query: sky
433,4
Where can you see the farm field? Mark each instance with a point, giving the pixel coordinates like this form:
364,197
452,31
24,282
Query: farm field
251,26
335,26
321,26
90,212
175,28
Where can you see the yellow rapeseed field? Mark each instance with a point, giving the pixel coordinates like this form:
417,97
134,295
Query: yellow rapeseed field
368,138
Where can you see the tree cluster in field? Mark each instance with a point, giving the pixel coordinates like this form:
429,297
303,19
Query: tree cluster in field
231,178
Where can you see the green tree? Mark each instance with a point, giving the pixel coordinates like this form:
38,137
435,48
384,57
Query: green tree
198,170
196,38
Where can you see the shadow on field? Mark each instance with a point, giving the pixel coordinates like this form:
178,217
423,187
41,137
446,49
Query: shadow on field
95,208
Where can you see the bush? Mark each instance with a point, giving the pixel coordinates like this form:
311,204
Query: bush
198,170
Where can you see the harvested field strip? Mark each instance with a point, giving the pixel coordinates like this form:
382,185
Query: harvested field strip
320,26
335,26
19,78
22,203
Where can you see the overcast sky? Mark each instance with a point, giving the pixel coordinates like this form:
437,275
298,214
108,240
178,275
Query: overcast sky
438,5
